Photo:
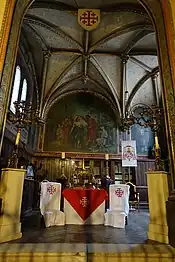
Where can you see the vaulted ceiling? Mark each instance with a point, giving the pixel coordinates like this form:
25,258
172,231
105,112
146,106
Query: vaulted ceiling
117,61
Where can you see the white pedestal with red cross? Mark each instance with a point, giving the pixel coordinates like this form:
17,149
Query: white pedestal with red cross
50,204
118,206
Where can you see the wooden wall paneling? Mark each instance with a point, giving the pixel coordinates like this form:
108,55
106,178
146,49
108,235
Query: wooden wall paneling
112,175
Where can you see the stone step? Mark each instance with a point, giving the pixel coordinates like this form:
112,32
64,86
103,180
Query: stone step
67,252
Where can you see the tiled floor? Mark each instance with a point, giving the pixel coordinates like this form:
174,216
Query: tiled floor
135,233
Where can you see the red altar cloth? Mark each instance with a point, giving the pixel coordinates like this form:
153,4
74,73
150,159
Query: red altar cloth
85,201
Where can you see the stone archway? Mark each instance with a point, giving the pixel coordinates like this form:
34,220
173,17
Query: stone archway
154,9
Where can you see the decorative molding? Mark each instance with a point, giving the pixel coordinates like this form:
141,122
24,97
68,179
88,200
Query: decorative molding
80,155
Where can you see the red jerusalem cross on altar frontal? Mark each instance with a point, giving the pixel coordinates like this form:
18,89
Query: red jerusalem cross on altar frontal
89,18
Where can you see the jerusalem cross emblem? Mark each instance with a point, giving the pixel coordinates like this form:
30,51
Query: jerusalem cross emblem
51,189
84,202
119,192
89,18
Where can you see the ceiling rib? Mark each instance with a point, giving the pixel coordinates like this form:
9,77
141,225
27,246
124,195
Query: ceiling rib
86,55
37,35
141,64
143,51
54,90
65,51
139,84
65,71
53,28
120,31
135,39
107,80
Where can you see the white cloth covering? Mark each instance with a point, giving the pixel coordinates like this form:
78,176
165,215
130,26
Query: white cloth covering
119,198
50,204
72,217
50,196
54,218
115,219
118,206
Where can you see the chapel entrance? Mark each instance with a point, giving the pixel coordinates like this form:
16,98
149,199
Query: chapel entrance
86,85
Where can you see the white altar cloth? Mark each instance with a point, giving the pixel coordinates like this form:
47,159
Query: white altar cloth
119,198
118,206
72,217
50,204
50,197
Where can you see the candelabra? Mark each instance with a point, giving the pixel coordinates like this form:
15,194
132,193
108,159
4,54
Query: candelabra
145,116
24,116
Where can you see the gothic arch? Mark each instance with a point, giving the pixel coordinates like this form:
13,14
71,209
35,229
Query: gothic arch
154,9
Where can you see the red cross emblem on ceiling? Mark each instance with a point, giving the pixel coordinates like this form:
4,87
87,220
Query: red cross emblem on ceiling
119,192
51,189
89,18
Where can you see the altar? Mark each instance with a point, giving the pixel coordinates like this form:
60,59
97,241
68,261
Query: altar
84,206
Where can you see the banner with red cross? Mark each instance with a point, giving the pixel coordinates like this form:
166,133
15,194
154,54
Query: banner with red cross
89,19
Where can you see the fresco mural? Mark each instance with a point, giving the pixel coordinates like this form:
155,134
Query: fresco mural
81,123
144,140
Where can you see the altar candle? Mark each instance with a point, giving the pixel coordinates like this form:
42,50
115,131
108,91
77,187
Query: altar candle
156,142
107,156
18,137
63,155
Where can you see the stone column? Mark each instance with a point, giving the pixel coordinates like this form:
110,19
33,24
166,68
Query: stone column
156,88
41,133
124,93
11,190
158,195
46,55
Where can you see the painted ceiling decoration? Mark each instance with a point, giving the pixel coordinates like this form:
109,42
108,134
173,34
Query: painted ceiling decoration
117,60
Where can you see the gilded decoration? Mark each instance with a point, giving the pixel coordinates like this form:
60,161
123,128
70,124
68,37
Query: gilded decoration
155,10
5,27
10,63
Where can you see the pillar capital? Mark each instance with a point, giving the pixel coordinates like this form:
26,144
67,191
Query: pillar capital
124,58
46,54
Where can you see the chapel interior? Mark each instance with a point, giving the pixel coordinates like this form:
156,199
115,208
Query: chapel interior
85,87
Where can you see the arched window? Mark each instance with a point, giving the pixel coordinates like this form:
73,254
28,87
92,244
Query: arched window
24,90
16,86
